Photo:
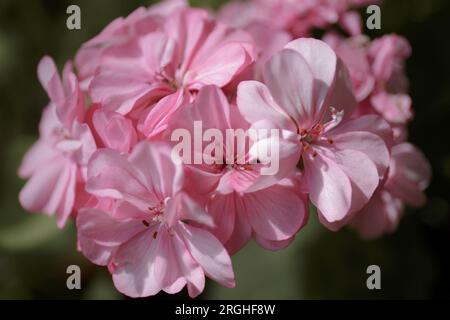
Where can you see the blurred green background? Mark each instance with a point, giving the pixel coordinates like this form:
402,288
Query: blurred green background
414,262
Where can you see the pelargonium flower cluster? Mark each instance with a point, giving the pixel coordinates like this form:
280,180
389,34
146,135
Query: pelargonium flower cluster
335,110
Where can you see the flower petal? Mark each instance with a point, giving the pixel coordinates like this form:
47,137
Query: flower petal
329,187
209,253
256,103
290,81
133,274
276,213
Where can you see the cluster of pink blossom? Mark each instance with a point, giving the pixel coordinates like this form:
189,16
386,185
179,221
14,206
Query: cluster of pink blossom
105,155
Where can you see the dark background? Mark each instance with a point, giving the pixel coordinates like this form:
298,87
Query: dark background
414,262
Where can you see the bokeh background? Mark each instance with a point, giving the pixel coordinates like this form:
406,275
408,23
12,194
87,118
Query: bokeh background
414,261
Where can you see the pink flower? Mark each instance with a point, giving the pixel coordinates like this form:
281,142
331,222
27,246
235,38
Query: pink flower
377,74
242,200
409,175
388,55
56,163
353,53
118,32
187,52
395,107
178,136
308,96
146,236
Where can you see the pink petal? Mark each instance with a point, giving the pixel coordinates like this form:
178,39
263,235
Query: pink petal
323,65
256,103
367,143
209,253
101,228
40,154
290,81
276,213
74,107
219,67
50,80
81,132
212,108
351,22
242,231
127,73
161,173
99,235
156,120
121,93
370,123
395,108
190,269
329,187
166,270
111,175
96,253
188,26
288,154
133,274
381,215
341,96
51,190
361,172
223,211
183,207
115,131
409,174
321,59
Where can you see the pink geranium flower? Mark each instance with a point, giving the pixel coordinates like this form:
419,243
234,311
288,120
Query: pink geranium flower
378,75
388,55
308,97
353,52
118,32
146,238
178,136
187,52
409,175
242,200
56,163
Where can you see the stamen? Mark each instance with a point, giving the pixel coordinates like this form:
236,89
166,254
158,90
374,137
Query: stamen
337,115
158,211
305,146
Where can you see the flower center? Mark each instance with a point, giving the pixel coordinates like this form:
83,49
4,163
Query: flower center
219,167
316,133
156,213
308,137
164,77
